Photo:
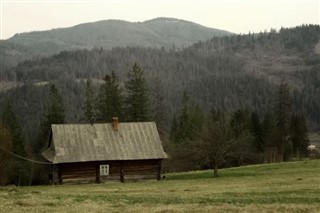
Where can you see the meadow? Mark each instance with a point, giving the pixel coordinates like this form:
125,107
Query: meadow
283,187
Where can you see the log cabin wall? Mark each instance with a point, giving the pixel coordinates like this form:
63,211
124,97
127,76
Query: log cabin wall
71,173
120,171
132,170
141,169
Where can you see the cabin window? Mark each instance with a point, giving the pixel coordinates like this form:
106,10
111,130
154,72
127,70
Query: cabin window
104,170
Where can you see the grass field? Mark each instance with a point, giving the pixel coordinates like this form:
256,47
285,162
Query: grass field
285,187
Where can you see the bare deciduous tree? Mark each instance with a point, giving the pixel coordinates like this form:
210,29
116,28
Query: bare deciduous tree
218,141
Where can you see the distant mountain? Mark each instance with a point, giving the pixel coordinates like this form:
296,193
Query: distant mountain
155,33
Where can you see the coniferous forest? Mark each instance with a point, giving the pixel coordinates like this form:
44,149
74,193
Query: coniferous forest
227,101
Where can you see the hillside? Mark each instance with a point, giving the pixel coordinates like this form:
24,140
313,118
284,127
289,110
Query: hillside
284,187
156,33
228,73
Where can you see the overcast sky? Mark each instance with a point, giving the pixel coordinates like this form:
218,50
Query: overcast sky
238,16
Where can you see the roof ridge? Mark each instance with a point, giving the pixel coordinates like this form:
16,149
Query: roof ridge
104,123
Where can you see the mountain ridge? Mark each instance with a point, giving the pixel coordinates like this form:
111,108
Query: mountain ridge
155,33
163,19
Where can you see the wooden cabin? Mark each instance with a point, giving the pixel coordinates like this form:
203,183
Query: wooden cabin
85,153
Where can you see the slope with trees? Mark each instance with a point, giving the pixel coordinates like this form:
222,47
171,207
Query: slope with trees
239,72
156,33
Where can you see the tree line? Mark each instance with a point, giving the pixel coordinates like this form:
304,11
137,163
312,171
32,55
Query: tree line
197,139
214,139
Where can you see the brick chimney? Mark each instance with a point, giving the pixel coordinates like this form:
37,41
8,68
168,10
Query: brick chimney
115,124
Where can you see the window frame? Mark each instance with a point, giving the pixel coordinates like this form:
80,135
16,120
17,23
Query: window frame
104,169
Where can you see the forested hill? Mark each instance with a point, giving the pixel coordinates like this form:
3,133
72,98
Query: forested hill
232,72
159,32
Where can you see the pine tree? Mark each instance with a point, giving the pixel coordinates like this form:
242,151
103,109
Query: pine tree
240,125
136,99
189,121
54,114
256,131
239,121
20,167
158,112
89,108
282,115
298,135
109,100
269,130
10,120
5,157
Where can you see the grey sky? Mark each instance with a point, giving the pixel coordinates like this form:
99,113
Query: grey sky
239,16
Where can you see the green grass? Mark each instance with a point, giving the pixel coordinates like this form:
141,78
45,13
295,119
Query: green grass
285,187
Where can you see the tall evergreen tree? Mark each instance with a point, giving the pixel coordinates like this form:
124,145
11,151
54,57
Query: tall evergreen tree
10,120
54,114
136,99
256,131
298,135
185,130
109,100
20,167
282,115
240,125
190,120
89,108
158,109
269,138
240,121
5,157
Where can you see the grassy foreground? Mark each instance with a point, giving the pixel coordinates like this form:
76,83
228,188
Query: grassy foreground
285,187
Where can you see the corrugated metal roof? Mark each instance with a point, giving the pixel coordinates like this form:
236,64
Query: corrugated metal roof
98,142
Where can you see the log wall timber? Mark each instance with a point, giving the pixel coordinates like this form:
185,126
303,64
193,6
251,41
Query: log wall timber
54,175
78,172
89,172
136,170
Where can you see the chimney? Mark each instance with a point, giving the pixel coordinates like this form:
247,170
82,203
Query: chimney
115,124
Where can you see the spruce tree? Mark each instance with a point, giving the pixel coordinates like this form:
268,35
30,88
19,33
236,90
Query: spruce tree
54,114
298,135
109,102
269,137
158,109
19,166
89,110
240,125
189,121
6,159
282,115
10,120
136,100
240,121
256,131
